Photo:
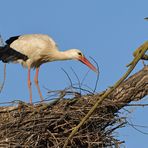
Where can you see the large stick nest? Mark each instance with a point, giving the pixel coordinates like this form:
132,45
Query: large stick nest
49,124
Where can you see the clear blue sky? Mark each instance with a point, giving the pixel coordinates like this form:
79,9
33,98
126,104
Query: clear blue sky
107,30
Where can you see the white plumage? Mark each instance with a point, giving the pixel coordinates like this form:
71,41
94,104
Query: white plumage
32,50
37,47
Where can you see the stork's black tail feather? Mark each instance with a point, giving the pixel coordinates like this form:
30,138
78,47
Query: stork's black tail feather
7,54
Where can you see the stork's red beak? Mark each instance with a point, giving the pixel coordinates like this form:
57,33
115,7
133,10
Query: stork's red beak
86,62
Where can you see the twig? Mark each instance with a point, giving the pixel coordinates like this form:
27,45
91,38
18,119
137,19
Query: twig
134,126
98,72
117,127
79,83
72,85
68,77
142,105
4,78
132,65
85,76
85,90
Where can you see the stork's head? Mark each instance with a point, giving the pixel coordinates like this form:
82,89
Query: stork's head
76,54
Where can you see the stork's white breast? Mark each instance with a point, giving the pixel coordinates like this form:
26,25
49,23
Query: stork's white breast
34,45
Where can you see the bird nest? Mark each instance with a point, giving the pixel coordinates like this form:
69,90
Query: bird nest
49,124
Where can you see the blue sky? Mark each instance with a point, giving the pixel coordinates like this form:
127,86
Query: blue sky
108,31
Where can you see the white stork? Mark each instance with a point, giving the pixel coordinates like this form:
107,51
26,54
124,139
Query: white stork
32,50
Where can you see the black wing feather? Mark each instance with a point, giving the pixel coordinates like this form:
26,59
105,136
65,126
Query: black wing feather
11,39
8,54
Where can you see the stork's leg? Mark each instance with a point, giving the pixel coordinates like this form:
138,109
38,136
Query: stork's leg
29,86
37,83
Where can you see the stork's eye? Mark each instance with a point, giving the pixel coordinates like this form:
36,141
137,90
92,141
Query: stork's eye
79,53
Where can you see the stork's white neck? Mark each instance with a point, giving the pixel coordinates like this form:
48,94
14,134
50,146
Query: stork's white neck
65,55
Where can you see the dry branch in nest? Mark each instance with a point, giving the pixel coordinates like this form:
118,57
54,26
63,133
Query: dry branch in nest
49,125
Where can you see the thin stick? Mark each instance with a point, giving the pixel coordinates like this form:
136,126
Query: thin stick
68,77
85,77
79,83
4,78
85,90
132,65
97,80
142,105
135,127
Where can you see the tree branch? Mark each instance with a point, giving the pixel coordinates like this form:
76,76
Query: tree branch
139,54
